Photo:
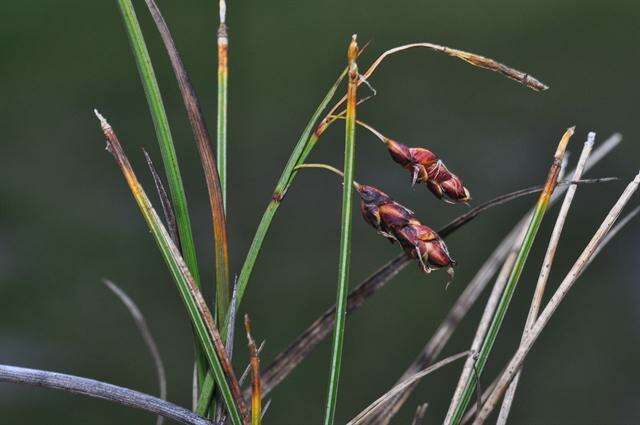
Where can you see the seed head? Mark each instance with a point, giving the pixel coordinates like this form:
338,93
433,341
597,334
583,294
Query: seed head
398,223
427,168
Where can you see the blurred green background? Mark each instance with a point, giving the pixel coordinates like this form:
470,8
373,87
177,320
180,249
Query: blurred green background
67,218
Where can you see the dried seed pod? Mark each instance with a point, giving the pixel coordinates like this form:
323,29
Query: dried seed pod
398,223
382,212
422,242
426,167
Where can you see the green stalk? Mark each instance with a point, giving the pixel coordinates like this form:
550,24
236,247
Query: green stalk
532,230
201,318
167,149
223,74
163,133
300,152
298,155
345,235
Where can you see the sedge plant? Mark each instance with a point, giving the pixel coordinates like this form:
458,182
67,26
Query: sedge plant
213,322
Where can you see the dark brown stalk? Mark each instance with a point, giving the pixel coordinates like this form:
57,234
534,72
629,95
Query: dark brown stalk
471,214
203,141
167,209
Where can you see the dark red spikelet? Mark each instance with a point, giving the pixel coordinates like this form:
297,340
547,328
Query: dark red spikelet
397,223
444,184
421,242
426,167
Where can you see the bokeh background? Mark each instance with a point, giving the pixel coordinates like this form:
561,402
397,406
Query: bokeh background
67,218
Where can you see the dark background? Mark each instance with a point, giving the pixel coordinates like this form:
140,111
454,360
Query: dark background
67,218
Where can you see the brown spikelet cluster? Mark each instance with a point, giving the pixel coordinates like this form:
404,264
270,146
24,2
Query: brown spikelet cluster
426,167
398,223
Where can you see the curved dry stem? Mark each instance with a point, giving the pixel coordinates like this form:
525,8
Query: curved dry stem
144,330
100,390
371,409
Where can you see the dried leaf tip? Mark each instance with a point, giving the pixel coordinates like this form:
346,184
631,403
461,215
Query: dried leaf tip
103,122
562,146
353,49
223,11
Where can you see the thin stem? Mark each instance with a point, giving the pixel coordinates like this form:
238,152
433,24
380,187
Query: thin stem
254,359
570,279
322,166
483,326
345,235
471,413
371,409
363,124
207,159
492,304
163,133
516,272
223,77
473,290
99,390
310,136
201,318
295,353
546,268
305,143
167,150
147,337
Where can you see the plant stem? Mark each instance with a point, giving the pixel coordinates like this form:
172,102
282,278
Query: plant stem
100,390
163,133
167,150
223,75
567,283
147,337
345,234
302,149
545,270
201,318
541,207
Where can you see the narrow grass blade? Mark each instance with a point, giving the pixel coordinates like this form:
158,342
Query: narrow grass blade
203,142
459,406
167,209
167,149
345,235
371,409
567,283
163,133
254,359
223,78
201,319
545,270
298,155
143,328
